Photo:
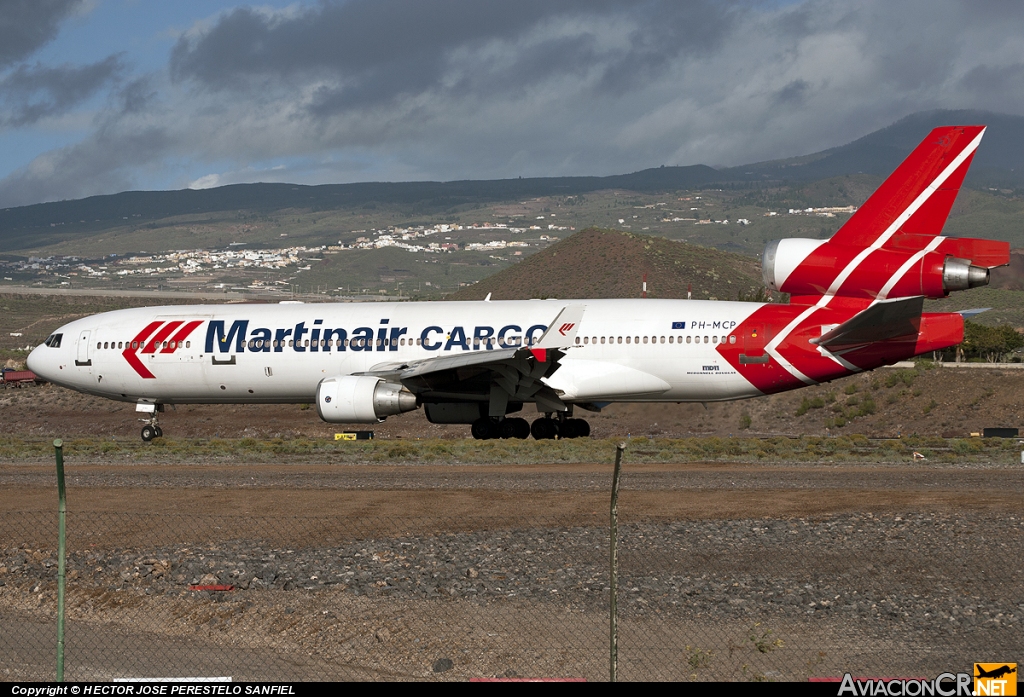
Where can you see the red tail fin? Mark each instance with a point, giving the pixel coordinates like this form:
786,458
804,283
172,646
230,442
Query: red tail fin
917,197
891,247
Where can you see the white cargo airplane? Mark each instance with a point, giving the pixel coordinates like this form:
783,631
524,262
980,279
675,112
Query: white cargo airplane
856,305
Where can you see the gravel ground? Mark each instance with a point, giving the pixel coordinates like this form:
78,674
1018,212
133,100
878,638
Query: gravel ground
384,589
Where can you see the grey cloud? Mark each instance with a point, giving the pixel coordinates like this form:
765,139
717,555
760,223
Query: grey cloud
793,94
372,51
107,161
1001,86
31,93
450,89
25,25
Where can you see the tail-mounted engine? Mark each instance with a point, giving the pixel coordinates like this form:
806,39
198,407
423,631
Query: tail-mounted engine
361,399
907,266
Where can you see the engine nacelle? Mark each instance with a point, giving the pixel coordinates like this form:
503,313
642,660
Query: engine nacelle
805,267
361,399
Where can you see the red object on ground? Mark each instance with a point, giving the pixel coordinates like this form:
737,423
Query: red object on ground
19,377
215,587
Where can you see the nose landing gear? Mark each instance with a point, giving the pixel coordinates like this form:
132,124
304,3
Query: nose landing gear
152,429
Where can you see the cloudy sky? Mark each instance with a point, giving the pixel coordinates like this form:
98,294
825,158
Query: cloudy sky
100,96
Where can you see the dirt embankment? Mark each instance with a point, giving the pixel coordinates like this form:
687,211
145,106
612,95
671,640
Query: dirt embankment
887,402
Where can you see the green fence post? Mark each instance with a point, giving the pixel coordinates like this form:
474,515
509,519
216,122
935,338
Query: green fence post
58,447
614,628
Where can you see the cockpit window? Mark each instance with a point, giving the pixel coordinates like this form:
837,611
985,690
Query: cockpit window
53,341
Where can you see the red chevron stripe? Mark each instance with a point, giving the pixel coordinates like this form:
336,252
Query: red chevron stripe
137,343
176,340
153,345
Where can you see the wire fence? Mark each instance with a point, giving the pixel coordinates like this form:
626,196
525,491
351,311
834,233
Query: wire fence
374,598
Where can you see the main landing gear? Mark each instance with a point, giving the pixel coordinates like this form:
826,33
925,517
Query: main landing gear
544,428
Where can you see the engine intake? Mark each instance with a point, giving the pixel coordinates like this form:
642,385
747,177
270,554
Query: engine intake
361,399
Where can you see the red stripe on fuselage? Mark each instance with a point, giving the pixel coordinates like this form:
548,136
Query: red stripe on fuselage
937,331
153,345
138,342
176,340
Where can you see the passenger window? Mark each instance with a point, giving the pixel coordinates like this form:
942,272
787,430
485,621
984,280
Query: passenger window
687,339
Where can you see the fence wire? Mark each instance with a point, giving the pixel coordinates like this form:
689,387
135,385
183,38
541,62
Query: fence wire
332,598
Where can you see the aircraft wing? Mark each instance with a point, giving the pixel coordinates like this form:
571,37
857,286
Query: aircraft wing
497,376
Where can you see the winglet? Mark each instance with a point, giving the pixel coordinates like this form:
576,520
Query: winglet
561,333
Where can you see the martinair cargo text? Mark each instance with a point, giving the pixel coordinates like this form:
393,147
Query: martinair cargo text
856,303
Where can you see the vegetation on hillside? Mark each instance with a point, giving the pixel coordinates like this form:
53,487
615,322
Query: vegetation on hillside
596,263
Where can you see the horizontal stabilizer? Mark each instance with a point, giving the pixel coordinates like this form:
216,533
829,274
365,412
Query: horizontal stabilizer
889,319
973,312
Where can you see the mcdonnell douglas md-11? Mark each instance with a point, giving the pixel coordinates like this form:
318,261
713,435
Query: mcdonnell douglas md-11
856,303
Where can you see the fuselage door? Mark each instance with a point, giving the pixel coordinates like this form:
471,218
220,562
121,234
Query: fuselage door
83,349
755,338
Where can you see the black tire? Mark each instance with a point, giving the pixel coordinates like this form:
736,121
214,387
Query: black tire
582,428
148,433
544,429
522,429
483,429
159,431
508,428
567,428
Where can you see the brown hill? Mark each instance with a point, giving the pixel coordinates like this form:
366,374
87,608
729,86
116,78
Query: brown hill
595,263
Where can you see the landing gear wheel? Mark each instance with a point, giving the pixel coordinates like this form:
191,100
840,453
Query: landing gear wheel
582,428
148,433
544,429
567,428
159,431
522,429
484,429
515,428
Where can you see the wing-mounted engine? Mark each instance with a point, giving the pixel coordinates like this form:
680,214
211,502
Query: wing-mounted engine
361,399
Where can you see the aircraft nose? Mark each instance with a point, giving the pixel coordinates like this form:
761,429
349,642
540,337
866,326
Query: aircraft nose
42,364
